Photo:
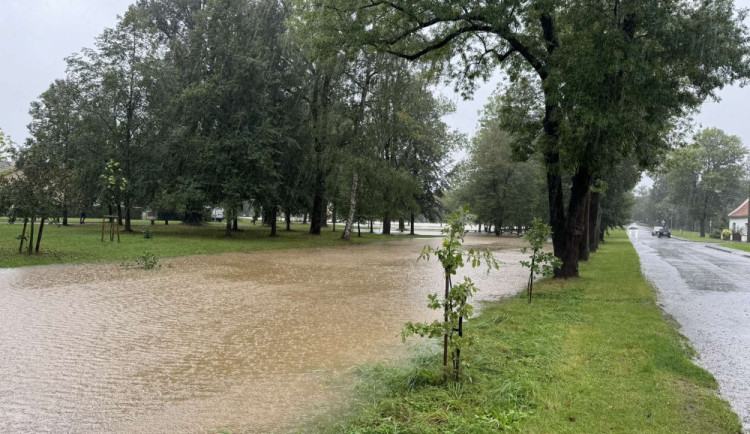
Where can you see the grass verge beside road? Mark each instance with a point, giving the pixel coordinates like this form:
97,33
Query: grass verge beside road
694,236
588,355
82,243
738,246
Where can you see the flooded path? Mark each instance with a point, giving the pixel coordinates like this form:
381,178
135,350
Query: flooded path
248,342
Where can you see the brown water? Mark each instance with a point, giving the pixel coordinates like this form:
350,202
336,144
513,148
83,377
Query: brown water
252,342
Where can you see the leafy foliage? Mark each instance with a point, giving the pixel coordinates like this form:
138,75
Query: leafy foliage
454,303
540,263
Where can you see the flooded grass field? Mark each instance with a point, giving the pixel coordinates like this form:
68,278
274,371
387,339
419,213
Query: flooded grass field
247,342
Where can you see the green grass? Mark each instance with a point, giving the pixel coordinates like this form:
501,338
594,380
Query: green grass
589,355
76,243
693,236
737,245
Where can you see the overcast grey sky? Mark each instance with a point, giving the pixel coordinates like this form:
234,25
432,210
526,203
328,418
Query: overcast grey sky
36,36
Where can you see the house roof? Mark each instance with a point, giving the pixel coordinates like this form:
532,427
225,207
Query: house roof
741,210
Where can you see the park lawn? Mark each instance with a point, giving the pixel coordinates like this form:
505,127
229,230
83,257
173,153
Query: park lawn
588,355
82,243
693,236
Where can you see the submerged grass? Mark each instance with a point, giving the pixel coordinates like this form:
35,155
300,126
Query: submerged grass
82,243
593,354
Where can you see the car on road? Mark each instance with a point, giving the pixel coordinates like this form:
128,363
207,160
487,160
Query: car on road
664,232
656,230
633,226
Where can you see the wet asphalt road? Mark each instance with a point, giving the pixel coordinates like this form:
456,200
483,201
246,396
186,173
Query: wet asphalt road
708,292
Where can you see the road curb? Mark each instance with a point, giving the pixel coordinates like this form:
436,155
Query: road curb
727,250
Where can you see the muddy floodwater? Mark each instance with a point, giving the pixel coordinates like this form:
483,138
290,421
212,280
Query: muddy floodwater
247,342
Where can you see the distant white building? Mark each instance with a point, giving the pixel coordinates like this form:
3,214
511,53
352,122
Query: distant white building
738,219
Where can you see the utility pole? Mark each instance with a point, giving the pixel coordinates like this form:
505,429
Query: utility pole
747,228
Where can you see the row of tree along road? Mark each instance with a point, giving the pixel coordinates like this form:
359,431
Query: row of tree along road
302,106
698,185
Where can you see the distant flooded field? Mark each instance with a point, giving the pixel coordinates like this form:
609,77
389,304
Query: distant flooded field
246,342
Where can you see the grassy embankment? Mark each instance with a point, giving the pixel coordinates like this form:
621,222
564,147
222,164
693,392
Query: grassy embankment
588,355
693,236
737,245
77,243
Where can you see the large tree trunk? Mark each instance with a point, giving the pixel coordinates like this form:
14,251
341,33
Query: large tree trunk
23,234
333,217
288,218
229,227
411,224
386,223
127,217
556,205
235,224
572,234
583,252
498,228
401,225
352,208
703,226
372,227
31,236
318,211
304,219
65,215
594,221
119,214
273,225
39,235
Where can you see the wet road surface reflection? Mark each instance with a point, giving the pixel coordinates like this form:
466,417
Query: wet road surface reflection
708,293
244,342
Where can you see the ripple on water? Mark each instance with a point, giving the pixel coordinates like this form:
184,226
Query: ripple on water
233,341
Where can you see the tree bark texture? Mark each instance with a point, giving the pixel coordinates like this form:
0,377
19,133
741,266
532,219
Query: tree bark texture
23,234
318,204
352,208
39,235
386,223
583,253
594,219
31,236
127,217
573,229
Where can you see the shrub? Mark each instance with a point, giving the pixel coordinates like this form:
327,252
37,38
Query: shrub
726,234
715,233
147,233
148,261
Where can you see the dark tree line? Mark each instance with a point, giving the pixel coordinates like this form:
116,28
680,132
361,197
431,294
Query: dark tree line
187,105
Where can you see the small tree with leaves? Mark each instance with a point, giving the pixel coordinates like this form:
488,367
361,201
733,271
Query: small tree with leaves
115,184
540,263
454,303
